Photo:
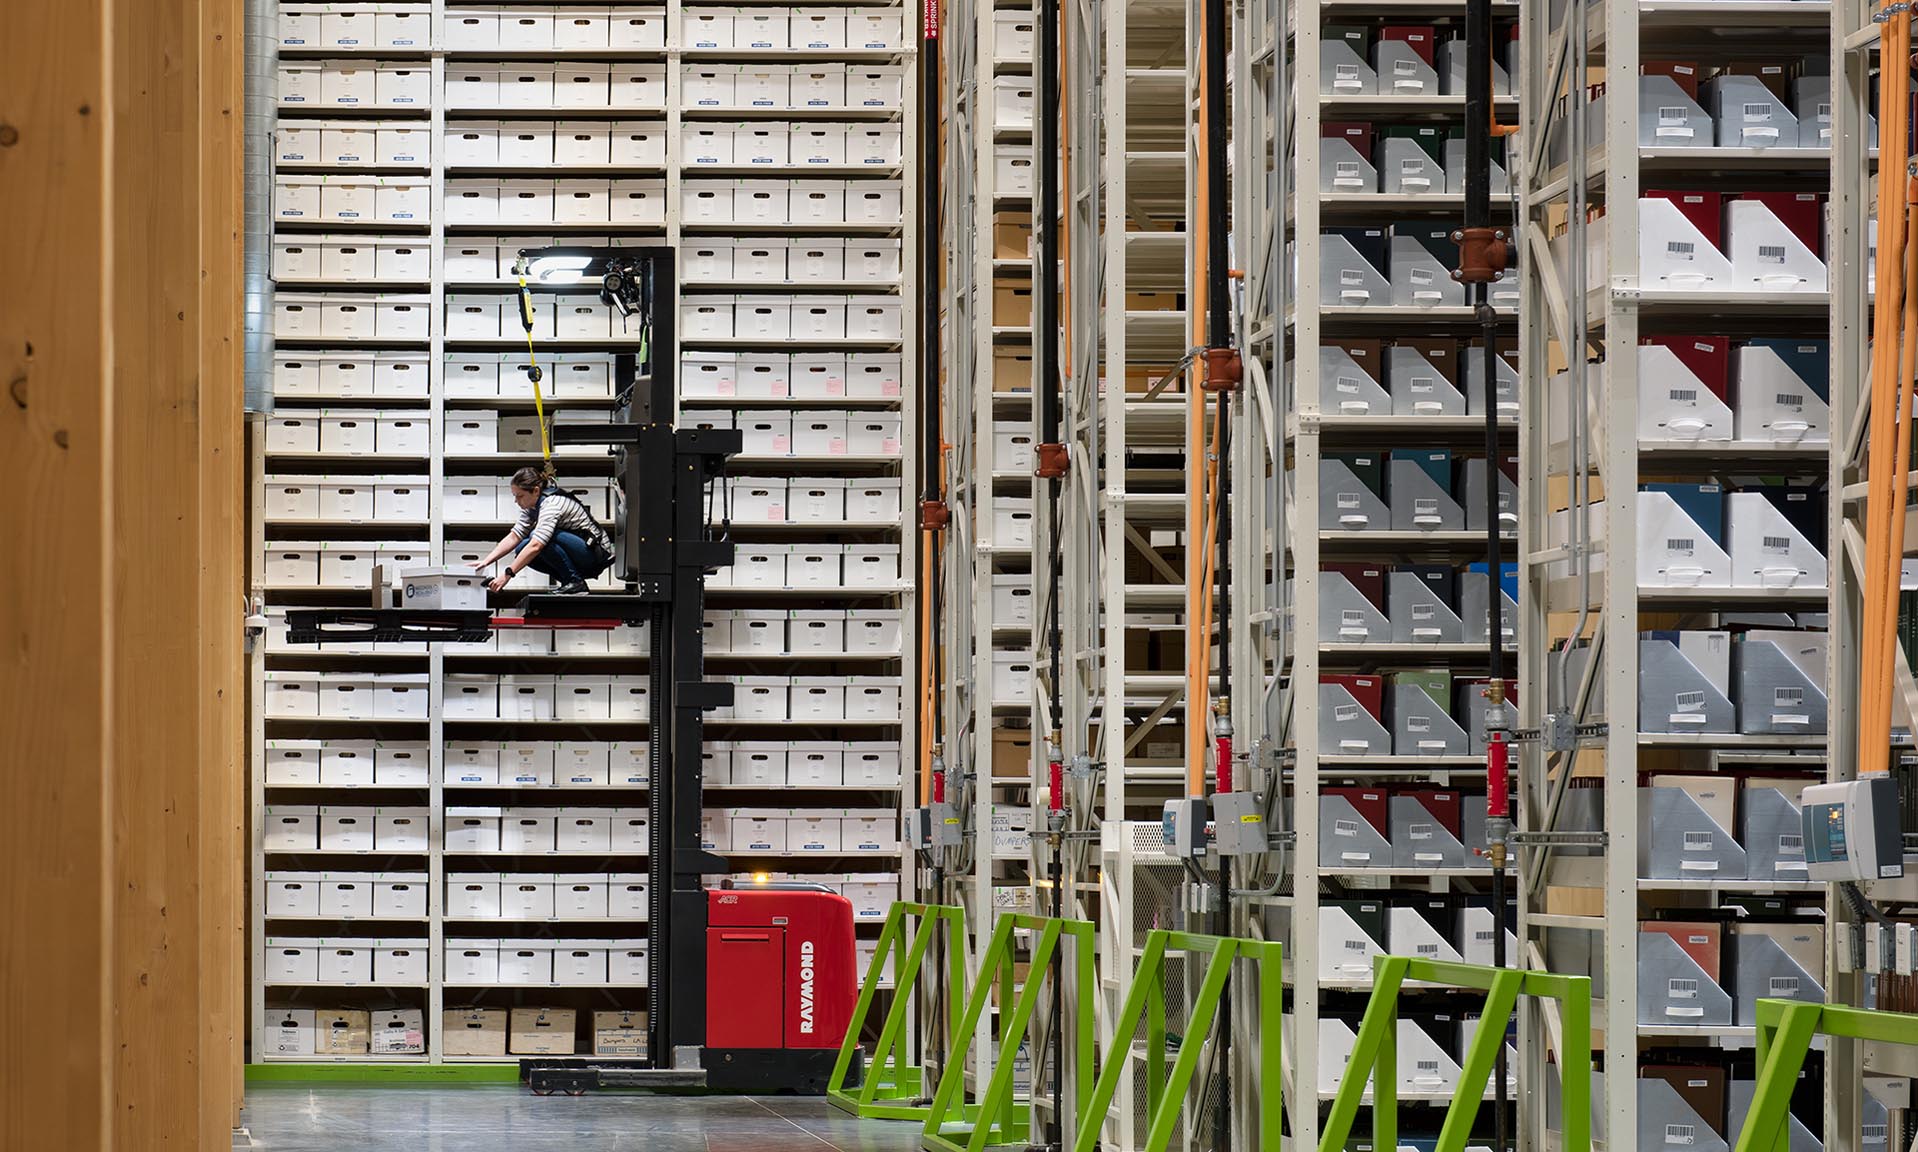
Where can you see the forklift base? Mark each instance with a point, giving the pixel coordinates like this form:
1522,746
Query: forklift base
575,1079
783,1071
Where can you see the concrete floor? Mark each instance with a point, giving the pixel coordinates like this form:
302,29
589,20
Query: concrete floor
328,1118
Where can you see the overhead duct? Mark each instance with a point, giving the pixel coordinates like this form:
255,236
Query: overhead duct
261,98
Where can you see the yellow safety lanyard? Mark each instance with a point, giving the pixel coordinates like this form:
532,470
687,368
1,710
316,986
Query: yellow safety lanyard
533,371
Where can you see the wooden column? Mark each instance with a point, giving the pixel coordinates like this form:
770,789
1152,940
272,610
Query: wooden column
120,673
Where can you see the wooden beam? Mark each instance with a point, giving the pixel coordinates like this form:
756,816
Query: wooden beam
55,324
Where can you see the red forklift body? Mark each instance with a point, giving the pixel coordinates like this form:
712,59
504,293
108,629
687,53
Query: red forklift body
781,969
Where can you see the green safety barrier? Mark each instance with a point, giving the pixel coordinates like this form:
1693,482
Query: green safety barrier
1785,1029
952,1124
1145,1002
1375,1050
892,1089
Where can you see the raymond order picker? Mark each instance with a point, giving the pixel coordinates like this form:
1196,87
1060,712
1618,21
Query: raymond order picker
774,966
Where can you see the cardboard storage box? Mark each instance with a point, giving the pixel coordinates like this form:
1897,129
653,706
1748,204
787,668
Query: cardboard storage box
341,1033
398,1032
542,1032
619,1033
473,1032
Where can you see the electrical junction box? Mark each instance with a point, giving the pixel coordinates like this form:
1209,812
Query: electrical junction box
1238,822
1852,830
948,830
1186,829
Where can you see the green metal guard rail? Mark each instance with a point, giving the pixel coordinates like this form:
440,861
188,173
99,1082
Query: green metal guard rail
1145,1001
952,1125
1785,1029
893,1089
1375,1051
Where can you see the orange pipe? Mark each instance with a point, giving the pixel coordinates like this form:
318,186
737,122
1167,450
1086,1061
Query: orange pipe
1888,607
1198,623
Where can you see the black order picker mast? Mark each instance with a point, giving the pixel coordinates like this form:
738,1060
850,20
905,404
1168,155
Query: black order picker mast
1485,252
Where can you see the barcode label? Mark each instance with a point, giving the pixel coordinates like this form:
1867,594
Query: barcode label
1411,167
1824,111
1351,276
1345,71
1681,1134
1418,723
1873,1133
1349,618
1688,701
1757,111
1345,713
1421,385
1682,989
1431,1066
1421,275
1782,696
1785,987
1680,544
1684,395
1405,67
1789,399
1791,844
1356,946
1345,828
1346,168
1425,612
1671,114
1679,249
1348,500
1483,936
1777,544
1425,506
1698,841
1428,949
1421,831
1772,253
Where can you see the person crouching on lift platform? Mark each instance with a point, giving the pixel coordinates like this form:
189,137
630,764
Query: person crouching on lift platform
555,534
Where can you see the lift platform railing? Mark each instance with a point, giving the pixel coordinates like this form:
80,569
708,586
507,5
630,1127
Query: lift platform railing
1375,1051
995,1121
1145,1006
892,1088
1785,1029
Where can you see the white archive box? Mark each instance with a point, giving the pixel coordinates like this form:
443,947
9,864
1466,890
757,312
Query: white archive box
761,29
873,202
874,145
639,87
814,29
871,894
816,500
762,698
399,895
583,830
403,86
760,566
473,830
626,962
1013,37
292,960
467,28
818,698
873,500
709,86
765,433
290,828
715,830
706,202
638,145
708,262
402,763
347,763
470,963
583,698
819,434
872,260
1012,522
630,831
1011,676
472,87
818,631
818,375
527,831
292,763
706,318
346,895
707,145
523,86
471,203
812,832
759,500
300,85
579,896
706,28
580,763
526,764
763,260
759,631
764,318
349,84
526,202
293,895
1012,101
626,895
817,317
873,375
400,962
816,144
816,202
756,764
582,202
760,202
873,318
716,630
1012,169
866,700
870,566
716,762
819,86
346,829
878,832
582,85
872,765
472,896
526,961
763,87
401,829
580,962
759,830
874,630
645,28
470,696
582,27
523,696
816,763
630,697
761,375
875,28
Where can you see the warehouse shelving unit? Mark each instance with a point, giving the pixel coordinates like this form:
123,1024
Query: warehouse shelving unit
628,165
1579,911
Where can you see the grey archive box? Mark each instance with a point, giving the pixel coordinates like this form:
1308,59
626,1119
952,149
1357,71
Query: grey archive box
1419,840
1402,71
1347,615
1748,114
1761,969
1346,388
1343,71
1419,388
1346,728
1772,830
1347,503
1347,839
1407,169
1504,388
1451,67
1342,168
1668,117
1739,1103
1475,610
1421,267
1472,495
1780,679
1347,278
1665,1120
1679,840
1676,695
1811,103
1423,726
1420,501
1455,170
1419,615
1673,989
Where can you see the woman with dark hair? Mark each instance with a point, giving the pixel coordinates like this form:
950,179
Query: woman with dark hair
554,534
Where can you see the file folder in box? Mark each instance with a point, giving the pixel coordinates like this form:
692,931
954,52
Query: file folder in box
1783,392
1674,989
1352,264
1425,834
1352,599
1776,537
1681,534
1421,600
1665,1120
1684,388
1351,933
1739,1100
1748,114
1350,494
1669,114
1345,158
1424,379
1678,248
1780,682
1776,241
1405,60
1410,159
1496,180
1421,491
1351,716
1762,970
1422,723
1354,828
1679,840
1345,69
1811,104
1423,928
1472,493
1349,376
1475,607
1505,386
1677,693
1771,828
1423,257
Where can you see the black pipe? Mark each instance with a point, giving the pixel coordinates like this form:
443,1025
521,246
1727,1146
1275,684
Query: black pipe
1218,313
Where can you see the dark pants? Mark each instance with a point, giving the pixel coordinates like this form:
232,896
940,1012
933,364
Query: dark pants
566,558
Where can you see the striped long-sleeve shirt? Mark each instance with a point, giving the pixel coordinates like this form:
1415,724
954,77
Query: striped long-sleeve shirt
557,513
